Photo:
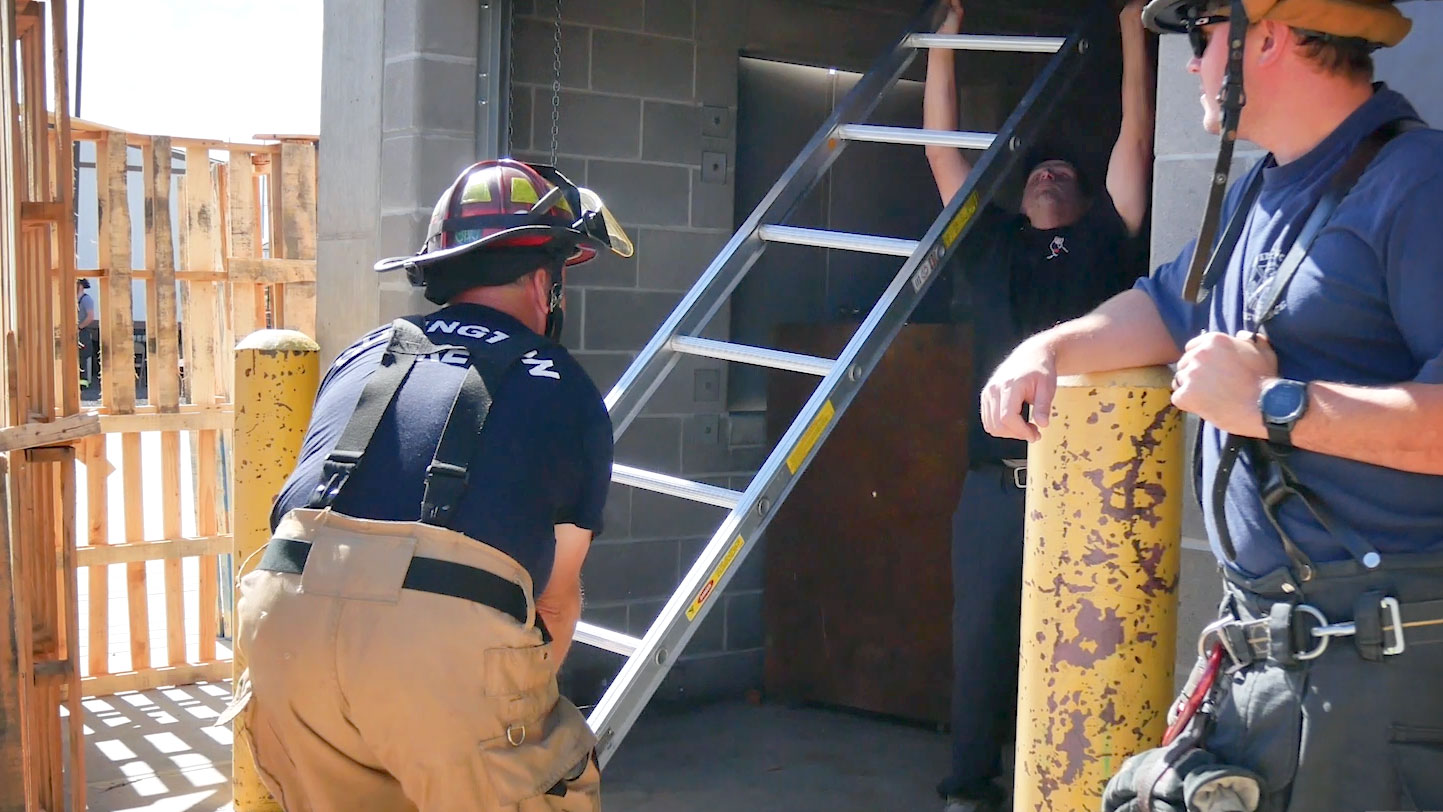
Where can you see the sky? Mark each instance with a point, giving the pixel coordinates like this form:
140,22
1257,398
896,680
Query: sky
224,69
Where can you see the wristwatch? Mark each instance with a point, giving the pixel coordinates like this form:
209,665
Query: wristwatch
1283,403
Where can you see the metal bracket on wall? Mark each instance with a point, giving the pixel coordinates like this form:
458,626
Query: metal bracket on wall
493,80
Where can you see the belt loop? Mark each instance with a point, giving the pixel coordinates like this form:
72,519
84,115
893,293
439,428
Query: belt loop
1282,642
1368,625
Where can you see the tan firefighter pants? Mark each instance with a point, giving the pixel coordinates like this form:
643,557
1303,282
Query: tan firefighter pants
365,696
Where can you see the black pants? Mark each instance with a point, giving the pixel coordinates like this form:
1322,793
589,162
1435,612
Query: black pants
1340,733
986,614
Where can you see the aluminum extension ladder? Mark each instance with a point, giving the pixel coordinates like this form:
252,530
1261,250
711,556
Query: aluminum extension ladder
651,657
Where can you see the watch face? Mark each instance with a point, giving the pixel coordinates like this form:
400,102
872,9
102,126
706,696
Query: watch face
1284,401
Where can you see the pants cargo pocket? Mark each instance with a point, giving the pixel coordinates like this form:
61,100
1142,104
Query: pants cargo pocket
531,766
1259,726
273,763
1417,756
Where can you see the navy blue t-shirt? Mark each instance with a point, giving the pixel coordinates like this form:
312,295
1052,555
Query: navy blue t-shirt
1365,308
545,456
1011,280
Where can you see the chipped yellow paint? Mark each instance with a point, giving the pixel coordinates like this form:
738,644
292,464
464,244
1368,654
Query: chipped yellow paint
1099,594
276,375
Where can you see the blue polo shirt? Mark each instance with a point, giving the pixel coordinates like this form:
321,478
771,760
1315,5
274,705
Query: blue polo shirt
545,451
1365,308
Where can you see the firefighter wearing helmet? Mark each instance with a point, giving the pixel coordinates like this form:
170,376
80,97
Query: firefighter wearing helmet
1304,326
407,619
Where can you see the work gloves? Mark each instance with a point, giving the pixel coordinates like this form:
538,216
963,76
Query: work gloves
1167,779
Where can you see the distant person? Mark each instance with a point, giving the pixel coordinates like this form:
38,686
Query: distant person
87,334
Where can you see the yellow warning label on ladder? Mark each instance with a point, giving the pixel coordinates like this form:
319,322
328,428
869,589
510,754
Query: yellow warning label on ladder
810,437
716,575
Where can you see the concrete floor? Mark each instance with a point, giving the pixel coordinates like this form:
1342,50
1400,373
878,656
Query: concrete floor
154,751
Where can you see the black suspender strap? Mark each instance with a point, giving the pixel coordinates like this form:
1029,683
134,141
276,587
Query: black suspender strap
406,343
1279,483
446,476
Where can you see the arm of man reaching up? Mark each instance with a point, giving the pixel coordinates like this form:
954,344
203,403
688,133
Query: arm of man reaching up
1131,162
950,167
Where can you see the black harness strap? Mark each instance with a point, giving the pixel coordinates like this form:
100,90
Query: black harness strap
1279,482
447,475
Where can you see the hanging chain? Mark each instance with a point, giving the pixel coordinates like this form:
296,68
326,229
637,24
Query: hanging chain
556,86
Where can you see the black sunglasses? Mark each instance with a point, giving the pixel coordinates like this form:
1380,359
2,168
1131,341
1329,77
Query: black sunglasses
1196,36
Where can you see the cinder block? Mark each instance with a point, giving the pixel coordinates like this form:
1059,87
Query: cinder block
712,204
346,296
625,319
604,368
673,259
591,125
608,13
415,169
608,616
534,53
670,17
751,571
430,95
671,133
705,450
652,444
574,322
1179,107
630,570
449,27
643,194
573,168
712,676
655,515
401,234
616,518
642,65
523,100
1180,190
608,270
400,29
720,22
744,619
710,636
641,615
676,395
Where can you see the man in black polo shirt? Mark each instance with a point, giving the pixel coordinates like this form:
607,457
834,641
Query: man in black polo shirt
1067,250
407,620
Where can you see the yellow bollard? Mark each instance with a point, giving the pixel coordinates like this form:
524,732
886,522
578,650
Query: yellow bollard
1099,593
276,376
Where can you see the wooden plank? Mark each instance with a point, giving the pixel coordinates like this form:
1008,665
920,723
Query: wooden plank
70,589
118,380
201,229
97,468
151,678
298,200
61,430
271,271
143,274
208,419
14,775
162,339
137,596
170,528
65,241
243,227
43,213
208,521
171,549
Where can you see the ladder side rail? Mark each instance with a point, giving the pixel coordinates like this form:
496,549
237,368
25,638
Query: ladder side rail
696,309
639,678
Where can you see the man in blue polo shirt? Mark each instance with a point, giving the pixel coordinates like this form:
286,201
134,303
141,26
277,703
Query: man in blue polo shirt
1317,366
422,586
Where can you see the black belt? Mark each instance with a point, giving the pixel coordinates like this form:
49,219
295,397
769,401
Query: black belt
1016,469
424,575
1381,627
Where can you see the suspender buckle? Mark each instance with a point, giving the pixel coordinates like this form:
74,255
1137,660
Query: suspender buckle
1394,624
444,486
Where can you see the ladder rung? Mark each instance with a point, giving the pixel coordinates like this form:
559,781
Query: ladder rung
607,639
838,239
756,356
980,42
675,486
910,135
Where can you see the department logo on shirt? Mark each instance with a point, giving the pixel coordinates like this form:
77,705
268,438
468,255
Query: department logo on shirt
1057,248
1260,275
